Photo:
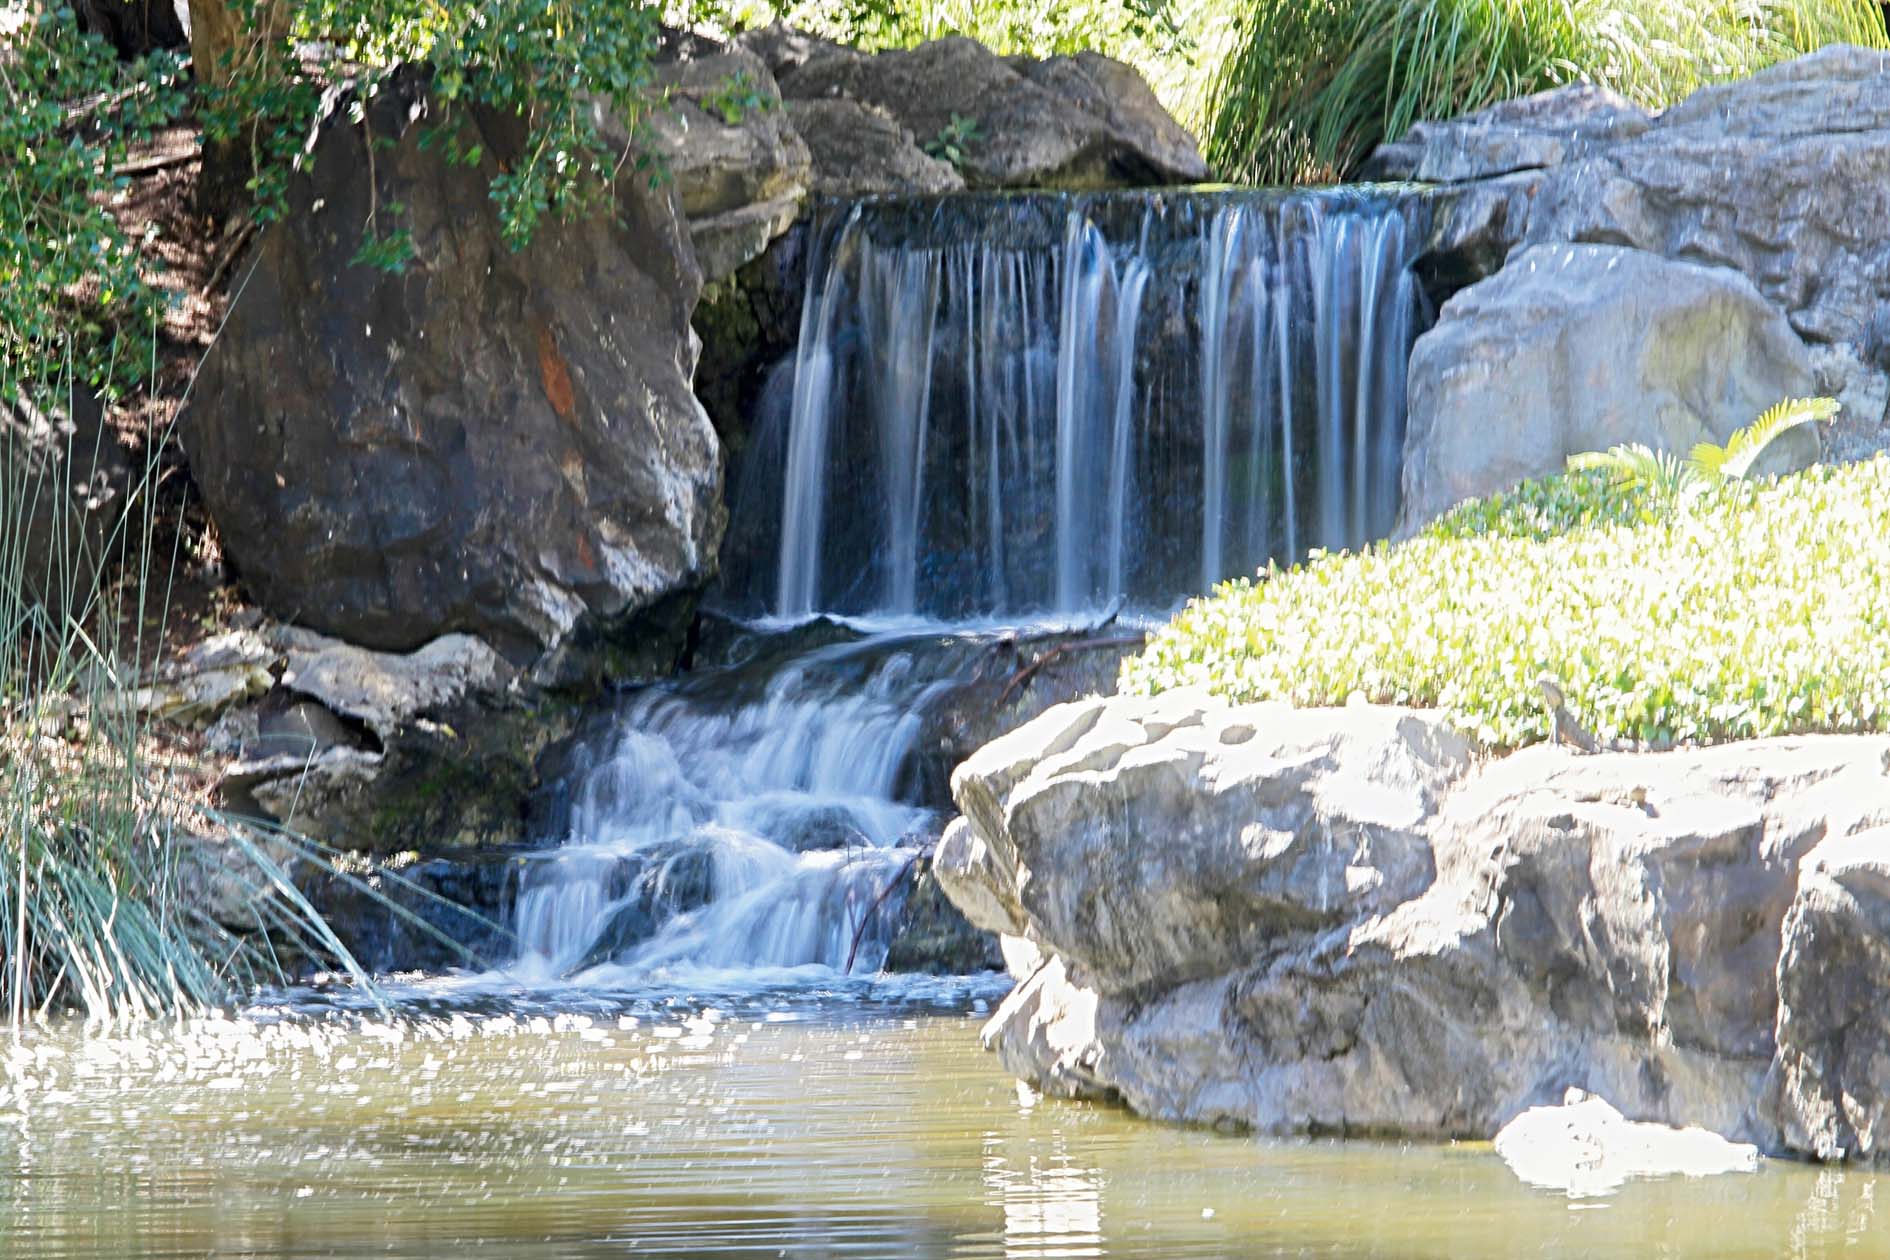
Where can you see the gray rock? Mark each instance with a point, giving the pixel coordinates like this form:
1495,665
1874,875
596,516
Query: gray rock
861,150
1528,133
1474,228
209,679
1577,348
492,442
1327,803
1784,177
433,750
385,691
1338,921
1832,1076
1863,392
740,166
67,465
1082,122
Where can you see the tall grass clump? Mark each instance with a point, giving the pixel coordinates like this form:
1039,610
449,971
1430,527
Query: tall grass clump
107,851
1303,90
1742,610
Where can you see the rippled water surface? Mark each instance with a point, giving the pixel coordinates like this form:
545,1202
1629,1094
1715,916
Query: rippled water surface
856,1124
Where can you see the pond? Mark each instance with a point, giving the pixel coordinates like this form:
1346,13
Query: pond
822,1119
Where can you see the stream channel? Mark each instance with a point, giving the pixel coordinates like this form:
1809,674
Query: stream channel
1003,412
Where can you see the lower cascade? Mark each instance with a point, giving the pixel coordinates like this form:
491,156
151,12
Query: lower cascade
1002,408
746,817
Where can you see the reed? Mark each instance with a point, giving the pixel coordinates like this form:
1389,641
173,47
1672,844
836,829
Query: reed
106,847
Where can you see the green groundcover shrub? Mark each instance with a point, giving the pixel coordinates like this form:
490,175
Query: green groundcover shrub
1745,610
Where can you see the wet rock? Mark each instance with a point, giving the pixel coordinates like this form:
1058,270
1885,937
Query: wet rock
1473,230
491,442
648,889
1014,681
935,937
816,830
415,912
1340,921
1070,122
1575,348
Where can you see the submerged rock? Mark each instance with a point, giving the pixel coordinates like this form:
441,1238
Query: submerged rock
1341,921
1585,1147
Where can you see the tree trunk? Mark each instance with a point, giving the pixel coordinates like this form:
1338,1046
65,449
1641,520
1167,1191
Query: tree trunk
219,43
213,39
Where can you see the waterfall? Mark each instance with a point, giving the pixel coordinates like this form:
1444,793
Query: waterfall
1045,403
1001,408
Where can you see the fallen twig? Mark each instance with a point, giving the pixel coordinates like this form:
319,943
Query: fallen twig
1023,676
230,255
859,931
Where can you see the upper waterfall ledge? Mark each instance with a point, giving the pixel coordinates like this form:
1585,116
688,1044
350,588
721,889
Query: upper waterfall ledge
1344,921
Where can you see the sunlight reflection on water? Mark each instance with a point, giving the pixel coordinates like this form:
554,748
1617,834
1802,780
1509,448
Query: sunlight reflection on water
750,1124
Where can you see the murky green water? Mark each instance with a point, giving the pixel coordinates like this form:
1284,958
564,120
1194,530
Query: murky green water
753,1127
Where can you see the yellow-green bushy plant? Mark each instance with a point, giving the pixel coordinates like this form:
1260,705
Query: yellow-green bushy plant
1748,609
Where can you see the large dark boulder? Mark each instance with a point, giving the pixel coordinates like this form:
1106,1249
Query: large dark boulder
496,442
137,27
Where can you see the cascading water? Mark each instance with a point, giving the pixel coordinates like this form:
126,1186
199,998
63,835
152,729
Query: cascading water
1024,405
746,816
1000,408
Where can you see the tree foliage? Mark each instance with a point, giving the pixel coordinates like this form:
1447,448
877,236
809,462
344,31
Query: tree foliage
268,72
69,115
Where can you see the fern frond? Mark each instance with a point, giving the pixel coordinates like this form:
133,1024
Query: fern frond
1743,449
1632,463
